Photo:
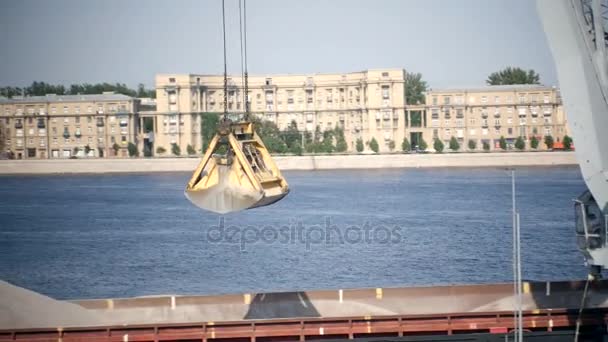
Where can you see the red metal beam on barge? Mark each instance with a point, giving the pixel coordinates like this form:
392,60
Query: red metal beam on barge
317,328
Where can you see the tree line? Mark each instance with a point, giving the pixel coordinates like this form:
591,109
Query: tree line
43,88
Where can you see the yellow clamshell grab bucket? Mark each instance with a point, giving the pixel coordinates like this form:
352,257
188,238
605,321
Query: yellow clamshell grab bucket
236,172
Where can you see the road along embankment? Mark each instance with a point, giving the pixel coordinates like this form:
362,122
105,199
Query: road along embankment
317,162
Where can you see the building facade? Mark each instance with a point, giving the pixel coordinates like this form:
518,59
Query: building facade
62,126
486,114
368,104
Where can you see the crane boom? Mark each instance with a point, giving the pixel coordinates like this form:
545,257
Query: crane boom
577,36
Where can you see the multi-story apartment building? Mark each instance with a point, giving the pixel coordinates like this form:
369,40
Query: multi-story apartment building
365,104
60,126
486,114
368,104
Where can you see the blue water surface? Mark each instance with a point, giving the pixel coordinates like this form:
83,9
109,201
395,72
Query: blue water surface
96,236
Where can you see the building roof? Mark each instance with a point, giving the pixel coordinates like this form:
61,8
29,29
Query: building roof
490,88
67,98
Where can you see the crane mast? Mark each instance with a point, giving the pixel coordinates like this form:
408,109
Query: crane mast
577,36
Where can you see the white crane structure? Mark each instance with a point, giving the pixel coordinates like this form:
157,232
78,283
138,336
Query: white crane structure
578,36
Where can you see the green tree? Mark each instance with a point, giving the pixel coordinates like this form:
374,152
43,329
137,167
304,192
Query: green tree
520,144
391,145
133,151
511,75
422,144
270,135
472,144
190,150
454,145
567,143
292,136
341,145
414,88
405,145
502,143
116,148
373,145
2,136
486,146
87,149
175,149
438,145
160,150
327,144
359,145
76,150
296,149
549,141
209,122
534,142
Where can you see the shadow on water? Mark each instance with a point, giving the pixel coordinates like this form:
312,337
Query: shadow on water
281,305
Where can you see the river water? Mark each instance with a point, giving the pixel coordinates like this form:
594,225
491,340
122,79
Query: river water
97,236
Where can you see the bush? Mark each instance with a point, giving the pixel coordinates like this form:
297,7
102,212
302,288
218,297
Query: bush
359,145
175,149
190,150
549,142
472,144
534,142
391,145
373,145
438,145
147,151
160,150
454,145
87,149
502,143
567,143
405,145
520,144
296,149
115,147
486,146
341,145
422,144
132,148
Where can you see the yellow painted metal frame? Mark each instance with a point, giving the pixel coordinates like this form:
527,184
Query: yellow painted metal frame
246,177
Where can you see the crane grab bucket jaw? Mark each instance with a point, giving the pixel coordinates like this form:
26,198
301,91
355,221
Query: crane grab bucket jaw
236,172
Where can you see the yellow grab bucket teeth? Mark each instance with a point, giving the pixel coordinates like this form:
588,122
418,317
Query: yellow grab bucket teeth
244,176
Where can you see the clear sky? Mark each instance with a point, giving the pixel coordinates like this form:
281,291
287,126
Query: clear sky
452,43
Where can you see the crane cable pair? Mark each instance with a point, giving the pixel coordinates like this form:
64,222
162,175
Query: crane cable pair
236,171
243,46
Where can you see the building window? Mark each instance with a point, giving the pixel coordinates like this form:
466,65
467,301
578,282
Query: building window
171,79
385,92
385,74
497,99
434,100
484,99
446,100
510,131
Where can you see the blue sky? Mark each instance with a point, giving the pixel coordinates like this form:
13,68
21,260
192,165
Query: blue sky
452,43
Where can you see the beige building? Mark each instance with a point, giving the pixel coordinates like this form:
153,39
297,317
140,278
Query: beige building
485,114
368,104
61,126
365,104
